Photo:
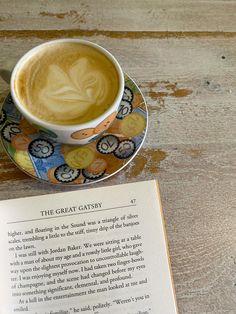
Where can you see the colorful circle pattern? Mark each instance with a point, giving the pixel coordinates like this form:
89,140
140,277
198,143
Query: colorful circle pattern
41,148
38,154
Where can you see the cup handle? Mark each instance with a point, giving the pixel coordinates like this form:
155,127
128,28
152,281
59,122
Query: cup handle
5,75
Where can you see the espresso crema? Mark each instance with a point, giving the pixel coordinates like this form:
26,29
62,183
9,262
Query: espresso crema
67,83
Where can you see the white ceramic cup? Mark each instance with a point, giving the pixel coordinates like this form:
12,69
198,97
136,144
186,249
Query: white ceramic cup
77,134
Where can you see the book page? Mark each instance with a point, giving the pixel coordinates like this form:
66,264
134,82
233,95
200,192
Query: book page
95,251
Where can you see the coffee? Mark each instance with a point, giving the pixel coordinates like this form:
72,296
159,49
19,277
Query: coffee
67,83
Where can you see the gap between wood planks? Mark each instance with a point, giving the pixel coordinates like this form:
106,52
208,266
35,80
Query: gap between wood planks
47,34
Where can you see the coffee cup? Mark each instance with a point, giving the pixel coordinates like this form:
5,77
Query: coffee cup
70,88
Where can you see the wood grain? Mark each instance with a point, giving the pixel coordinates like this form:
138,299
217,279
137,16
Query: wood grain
55,34
182,54
119,15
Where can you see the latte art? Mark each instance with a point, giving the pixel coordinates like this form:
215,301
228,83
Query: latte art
72,94
68,84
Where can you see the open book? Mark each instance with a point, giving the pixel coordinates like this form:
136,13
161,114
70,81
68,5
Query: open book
95,251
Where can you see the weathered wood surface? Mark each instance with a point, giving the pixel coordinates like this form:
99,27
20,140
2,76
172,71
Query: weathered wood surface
186,68
121,15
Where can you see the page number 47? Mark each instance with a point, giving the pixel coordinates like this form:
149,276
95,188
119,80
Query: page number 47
133,201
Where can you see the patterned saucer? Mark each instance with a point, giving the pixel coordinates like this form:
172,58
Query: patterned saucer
38,154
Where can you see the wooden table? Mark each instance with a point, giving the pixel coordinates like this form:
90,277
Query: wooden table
182,54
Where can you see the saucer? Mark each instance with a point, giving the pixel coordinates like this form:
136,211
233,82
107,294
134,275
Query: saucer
37,153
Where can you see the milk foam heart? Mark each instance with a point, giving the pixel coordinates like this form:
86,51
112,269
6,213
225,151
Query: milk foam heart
72,94
67,83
